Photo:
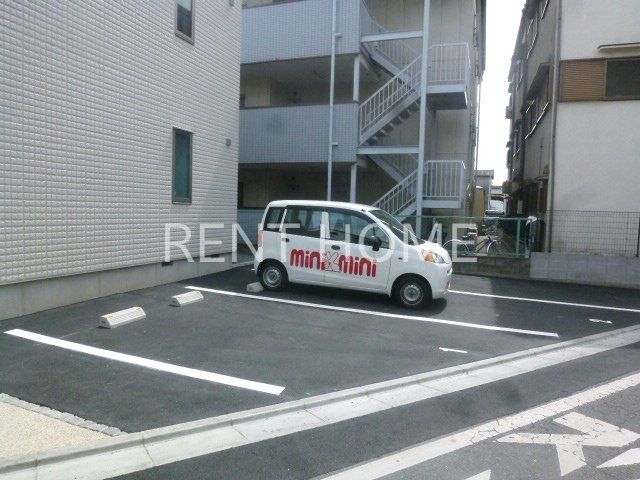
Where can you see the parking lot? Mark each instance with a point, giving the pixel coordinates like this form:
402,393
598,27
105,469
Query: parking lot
234,352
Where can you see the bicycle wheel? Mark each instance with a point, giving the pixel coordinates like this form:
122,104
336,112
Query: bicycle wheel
461,247
496,248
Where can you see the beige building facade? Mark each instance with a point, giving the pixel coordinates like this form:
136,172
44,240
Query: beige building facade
574,144
287,106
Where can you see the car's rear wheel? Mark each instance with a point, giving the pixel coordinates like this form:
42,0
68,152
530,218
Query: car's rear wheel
273,277
413,292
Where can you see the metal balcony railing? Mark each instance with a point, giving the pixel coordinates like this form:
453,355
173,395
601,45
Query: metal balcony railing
444,180
449,63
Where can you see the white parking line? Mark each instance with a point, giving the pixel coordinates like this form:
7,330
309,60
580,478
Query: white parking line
145,362
378,314
453,350
552,302
161,446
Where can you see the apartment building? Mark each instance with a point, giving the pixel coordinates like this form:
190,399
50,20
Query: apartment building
574,110
354,104
117,118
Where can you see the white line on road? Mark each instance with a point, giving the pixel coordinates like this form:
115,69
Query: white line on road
453,350
630,457
379,314
145,362
595,320
569,446
552,302
429,450
140,451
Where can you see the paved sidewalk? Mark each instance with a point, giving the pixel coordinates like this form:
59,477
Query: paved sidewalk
23,432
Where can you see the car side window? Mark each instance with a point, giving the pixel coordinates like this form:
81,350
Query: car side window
347,227
273,219
302,221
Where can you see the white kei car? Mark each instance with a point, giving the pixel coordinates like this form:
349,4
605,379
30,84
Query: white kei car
349,246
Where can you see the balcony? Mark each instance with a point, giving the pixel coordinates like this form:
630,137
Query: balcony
444,184
449,76
299,29
297,134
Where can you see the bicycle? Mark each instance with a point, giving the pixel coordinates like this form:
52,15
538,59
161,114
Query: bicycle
493,246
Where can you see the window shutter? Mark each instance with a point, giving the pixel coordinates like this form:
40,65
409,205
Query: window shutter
582,80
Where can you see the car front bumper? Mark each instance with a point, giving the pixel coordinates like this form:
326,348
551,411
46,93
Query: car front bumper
442,282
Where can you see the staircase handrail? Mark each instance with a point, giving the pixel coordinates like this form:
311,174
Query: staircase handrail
400,196
443,180
390,95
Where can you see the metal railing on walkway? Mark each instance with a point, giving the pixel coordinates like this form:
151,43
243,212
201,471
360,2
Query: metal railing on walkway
477,236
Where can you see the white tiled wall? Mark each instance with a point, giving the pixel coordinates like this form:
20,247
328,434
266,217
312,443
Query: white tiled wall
90,92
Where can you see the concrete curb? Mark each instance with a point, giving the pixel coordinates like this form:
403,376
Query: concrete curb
62,416
226,426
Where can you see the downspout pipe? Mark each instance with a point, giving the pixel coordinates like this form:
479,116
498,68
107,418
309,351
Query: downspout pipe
474,153
554,123
334,34
423,116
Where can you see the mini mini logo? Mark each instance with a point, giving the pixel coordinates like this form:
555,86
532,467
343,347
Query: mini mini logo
333,262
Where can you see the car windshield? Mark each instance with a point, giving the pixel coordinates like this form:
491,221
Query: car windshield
404,233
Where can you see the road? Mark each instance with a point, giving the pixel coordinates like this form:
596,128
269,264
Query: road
502,380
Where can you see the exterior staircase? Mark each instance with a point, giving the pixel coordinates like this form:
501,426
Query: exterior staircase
444,187
394,103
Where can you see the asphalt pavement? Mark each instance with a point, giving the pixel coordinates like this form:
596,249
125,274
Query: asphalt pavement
308,342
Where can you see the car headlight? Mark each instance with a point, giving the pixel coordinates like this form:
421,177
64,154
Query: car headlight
433,257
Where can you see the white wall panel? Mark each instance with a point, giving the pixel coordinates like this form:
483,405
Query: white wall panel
598,157
90,92
586,24
298,134
298,29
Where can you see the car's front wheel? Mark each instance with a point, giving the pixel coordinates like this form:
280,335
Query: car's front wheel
413,292
273,277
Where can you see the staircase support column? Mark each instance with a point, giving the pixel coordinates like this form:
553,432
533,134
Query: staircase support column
354,181
433,136
423,116
356,79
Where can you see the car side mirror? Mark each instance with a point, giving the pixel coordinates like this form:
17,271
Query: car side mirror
375,242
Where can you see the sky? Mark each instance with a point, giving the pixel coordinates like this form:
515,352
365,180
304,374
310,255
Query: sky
503,20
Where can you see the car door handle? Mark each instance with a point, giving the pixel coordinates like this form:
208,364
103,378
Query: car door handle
285,239
335,247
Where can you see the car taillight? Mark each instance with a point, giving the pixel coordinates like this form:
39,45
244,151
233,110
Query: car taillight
260,235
